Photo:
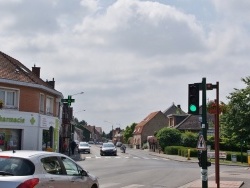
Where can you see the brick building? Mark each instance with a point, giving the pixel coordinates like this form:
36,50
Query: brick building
30,115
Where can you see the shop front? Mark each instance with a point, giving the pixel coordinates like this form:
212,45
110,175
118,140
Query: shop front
24,130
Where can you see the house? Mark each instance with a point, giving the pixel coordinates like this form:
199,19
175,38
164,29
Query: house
147,127
30,115
90,133
193,123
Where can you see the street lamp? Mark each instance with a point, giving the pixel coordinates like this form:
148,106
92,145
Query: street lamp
78,93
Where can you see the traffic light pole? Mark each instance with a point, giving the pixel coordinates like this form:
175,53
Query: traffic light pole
204,127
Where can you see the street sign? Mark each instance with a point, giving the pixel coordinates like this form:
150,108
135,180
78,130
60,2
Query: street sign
201,145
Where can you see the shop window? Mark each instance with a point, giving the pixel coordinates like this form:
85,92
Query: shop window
10,139
9,97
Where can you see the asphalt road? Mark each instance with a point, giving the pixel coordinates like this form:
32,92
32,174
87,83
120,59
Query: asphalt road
137,168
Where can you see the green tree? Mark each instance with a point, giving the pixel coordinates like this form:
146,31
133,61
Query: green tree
235,121
128,132
168,137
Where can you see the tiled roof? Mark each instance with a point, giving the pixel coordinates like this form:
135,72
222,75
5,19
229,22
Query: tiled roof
174,110
139,126
12,69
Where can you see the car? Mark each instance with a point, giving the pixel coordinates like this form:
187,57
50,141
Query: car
118,144
83,147
34,169
91,142
108,149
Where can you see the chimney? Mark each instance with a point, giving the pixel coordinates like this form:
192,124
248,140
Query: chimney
51,83
179,106
36,71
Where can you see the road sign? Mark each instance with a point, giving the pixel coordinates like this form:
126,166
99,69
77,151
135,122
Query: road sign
201,145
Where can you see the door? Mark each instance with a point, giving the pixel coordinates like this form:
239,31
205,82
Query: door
77,176
55,176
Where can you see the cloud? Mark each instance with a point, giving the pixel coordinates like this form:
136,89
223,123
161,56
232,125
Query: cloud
130,57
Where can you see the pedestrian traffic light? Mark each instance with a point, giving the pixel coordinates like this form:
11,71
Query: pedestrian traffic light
193,99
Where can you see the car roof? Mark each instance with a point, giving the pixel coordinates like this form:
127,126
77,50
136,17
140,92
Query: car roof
27,153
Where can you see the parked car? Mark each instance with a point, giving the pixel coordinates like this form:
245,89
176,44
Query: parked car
91,142
83,147
36,169
108,149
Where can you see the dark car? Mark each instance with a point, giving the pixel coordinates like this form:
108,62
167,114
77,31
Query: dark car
108,149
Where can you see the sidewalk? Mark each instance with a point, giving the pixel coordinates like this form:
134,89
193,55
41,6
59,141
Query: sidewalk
76,156
198,183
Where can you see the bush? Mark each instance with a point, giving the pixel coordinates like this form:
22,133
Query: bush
189,139
169,137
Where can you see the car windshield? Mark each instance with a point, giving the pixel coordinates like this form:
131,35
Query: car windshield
16,166
106,145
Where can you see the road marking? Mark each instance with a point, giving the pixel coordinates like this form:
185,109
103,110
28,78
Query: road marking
136,157
133,186
109,185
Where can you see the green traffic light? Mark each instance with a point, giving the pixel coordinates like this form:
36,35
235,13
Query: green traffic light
192,108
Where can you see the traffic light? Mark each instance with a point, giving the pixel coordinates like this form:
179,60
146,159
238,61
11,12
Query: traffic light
193,99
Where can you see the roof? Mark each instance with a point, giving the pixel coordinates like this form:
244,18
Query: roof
139,126
191,122
12,69
174,110
26,153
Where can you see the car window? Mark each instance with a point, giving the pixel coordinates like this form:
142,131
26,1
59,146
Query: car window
16,166
52,165
72,169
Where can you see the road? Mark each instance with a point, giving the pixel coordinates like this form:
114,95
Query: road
137,168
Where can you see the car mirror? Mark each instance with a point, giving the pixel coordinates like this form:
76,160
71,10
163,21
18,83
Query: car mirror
84,173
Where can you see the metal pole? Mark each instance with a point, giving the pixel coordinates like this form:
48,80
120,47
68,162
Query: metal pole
204,132
217,137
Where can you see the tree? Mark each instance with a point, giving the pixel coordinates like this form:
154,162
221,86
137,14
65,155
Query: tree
236,118
168,137
128,132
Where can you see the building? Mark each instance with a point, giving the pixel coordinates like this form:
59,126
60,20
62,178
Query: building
147,127
30,115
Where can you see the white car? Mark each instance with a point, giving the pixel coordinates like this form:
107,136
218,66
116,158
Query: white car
83,147
38,169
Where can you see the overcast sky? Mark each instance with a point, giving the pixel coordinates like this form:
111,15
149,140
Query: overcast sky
129,57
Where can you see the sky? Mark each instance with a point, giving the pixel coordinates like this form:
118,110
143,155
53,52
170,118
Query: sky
129,57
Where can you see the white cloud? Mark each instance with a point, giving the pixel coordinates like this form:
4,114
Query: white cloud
130,57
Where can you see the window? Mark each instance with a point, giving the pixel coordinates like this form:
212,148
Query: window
41,107
49,105
72,168
16,166
9,97
52,165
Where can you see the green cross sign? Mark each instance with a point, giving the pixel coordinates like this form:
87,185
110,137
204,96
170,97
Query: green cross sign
69,100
